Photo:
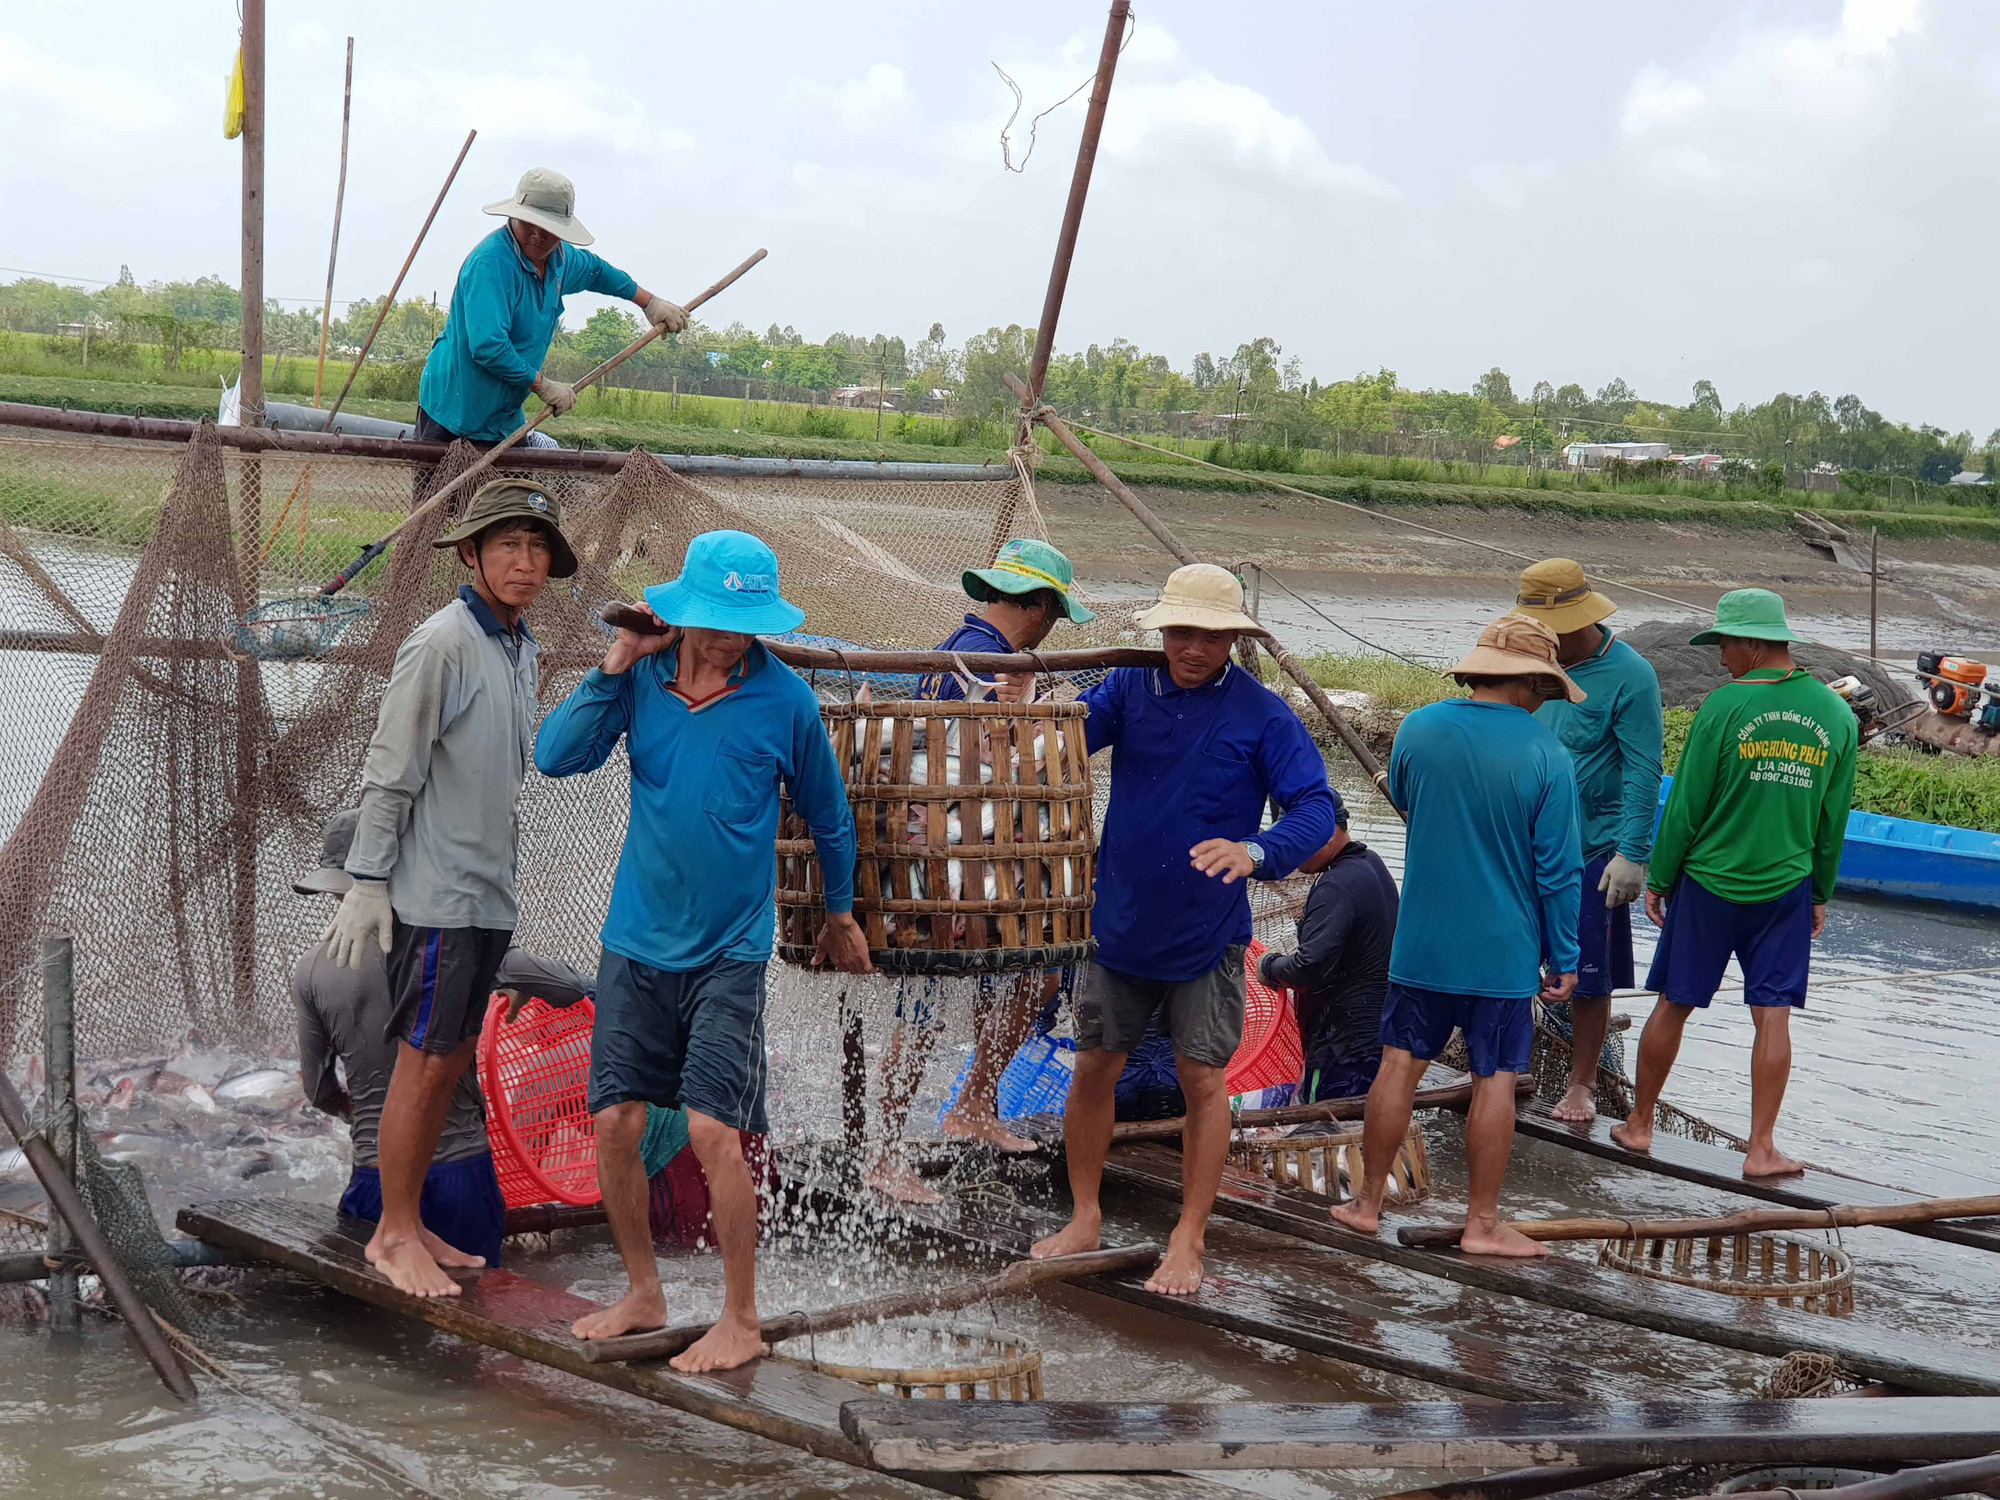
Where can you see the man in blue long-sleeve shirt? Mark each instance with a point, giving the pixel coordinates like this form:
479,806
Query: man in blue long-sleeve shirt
712,723
1197,748
1491,871
504,310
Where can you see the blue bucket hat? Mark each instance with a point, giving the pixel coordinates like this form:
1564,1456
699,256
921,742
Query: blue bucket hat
729,581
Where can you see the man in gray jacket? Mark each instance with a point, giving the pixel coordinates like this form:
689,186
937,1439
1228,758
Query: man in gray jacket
435,850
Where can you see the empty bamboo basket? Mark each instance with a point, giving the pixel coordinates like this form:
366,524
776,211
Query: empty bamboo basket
978,859
1330,1165
1792,1270
974,1362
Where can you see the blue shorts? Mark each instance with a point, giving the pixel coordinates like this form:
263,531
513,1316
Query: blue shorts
1772,940
692,1039
1604,938
1339,1080
461,1203
1499,1033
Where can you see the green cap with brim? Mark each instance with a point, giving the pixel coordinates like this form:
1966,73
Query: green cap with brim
1023,566
501,500
1749,614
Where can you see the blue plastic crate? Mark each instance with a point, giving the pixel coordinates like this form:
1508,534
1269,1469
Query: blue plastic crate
1035,1082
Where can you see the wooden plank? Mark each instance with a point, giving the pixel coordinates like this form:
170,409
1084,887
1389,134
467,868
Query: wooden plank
1871,1351
1045,1436
1719,1167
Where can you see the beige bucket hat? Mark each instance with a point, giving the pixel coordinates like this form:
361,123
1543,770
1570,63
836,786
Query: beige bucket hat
1516,646
546,199
1556,592
1201,596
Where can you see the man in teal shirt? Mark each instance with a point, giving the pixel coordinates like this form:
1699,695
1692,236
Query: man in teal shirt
504,311
1614,736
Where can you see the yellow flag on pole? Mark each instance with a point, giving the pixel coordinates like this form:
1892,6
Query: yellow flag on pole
232,105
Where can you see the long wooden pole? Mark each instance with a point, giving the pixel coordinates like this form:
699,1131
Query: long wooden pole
59,1063
1444,1096
339,199
1749,1221
1015,1279
250,382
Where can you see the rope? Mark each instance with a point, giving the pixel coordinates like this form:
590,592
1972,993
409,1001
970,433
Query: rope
1373,646
1006,145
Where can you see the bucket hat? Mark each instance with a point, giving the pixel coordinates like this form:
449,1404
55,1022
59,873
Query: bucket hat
1023,566
1556,592
515,500
1201,596
729,581
546,199
1753,614
1516,646
330,878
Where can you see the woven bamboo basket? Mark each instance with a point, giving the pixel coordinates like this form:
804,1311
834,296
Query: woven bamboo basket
1329,1165
1787,1268
987,1363
977,860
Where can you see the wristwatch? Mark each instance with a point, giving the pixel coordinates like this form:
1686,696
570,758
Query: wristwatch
1256,855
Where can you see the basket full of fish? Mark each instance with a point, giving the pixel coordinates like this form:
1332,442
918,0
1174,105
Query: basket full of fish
976,846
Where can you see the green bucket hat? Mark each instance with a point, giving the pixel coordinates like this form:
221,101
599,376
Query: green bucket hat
1750,614
509,500
1023,566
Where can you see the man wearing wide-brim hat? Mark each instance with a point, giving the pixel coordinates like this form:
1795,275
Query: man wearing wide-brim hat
713,726
1198,747
505,307
436,846
1491,871
1749,848
1615,735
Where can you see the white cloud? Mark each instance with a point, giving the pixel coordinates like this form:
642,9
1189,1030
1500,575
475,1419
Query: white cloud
52,96
307,35
565,101
877,97
1658,99
1512,185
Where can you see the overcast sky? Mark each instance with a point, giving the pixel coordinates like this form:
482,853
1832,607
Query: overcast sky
1771,194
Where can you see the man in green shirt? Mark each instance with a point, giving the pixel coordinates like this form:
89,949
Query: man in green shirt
1745,860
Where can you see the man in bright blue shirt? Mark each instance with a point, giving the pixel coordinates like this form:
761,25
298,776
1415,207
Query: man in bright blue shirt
712,723
1615,737
1197,748
1490,876
504,310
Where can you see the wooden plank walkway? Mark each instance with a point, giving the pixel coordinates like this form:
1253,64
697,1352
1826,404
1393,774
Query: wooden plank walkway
1720,1167
1869,1350
1051,1436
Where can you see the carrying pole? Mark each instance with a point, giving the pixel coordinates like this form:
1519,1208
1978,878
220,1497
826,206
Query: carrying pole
59,1063
1748,1221
339,198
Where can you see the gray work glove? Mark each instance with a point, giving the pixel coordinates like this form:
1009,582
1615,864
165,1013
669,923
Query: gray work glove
670,317
364,914
1622,881
560,397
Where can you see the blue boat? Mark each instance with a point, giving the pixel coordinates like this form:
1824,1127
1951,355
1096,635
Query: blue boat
1914,861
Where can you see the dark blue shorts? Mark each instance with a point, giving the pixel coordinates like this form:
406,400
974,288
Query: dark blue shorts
692,1040
1772,940
1604,938
440,980
1499,1034
461,1203
1336,1080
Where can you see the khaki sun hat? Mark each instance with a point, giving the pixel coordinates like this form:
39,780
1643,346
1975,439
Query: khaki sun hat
546,199
510,500
1556,592
1516,646
1201,596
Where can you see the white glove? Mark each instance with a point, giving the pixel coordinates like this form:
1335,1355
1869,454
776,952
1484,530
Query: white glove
364,913
560,397
670,316
1622,881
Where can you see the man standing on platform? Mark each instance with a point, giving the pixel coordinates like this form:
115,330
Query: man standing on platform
1745,863
505,308
1614,736
1491,872
713,725
1197,748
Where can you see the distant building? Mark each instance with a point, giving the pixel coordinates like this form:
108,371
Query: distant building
865,396
1700,465
1597,455
1968,476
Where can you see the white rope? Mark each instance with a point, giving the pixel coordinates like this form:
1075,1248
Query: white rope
1006,144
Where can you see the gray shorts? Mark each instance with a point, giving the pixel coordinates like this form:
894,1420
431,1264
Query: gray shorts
1203,1015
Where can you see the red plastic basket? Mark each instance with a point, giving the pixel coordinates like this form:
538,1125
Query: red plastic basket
1270,1053
535,1073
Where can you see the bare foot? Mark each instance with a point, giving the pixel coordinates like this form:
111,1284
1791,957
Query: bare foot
1578,1106
450,1255
725,1346
895,1178
409,1266
1075,1237
1179,1271
1771,1163
635,1312
1634,1135
1499,1239
987,1132
1357,1216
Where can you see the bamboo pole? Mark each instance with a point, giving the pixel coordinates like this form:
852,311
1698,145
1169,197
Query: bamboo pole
1444,1096
1749,1221
59,1063
339,199
1017,1278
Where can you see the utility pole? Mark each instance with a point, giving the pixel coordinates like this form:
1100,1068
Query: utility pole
881,394
250,384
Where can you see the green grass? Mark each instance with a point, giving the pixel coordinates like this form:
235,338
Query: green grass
1393,684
